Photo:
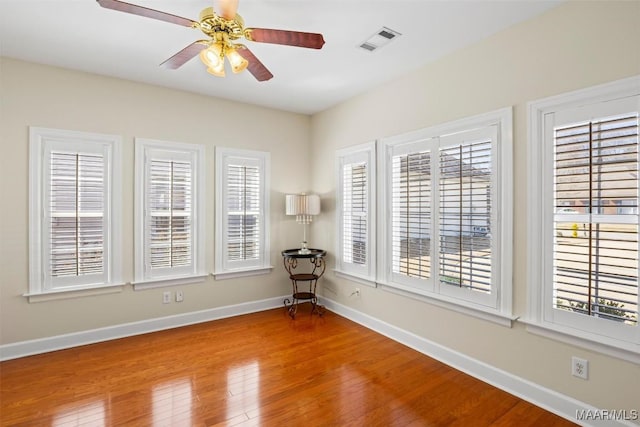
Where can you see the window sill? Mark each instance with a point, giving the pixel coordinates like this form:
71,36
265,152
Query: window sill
368,281
598,343
75,292
233,274
169,281
480,312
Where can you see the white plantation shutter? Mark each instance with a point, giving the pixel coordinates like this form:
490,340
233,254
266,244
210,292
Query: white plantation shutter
443,233
75,216
355,213
583,231
74,211
465,215
244,207
595,247
169,214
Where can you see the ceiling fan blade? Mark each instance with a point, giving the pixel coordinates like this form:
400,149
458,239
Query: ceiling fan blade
289,38
226,8
145,11
182,57
255,67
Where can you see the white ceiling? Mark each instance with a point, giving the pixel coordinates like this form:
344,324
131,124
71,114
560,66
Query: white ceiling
79,34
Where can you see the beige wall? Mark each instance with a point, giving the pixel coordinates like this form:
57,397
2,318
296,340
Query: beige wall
574,46
36,95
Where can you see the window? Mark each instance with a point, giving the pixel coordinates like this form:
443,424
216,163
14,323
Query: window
242,212
584,233
444,238
75,230
355,217
169,213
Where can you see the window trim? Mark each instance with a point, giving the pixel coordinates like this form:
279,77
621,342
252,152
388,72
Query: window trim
196,152
502,119
39,137
367,152
263,264
537,155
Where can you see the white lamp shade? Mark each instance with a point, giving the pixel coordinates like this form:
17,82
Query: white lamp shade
303,204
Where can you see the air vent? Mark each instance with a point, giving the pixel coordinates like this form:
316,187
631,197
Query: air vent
380,38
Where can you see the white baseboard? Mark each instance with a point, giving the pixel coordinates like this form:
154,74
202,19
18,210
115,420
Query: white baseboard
562,405
59,342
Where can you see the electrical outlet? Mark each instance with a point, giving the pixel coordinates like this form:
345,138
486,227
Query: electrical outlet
166,297
580,368
179,296
357,292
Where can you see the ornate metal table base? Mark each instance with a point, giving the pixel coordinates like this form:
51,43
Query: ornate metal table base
317,265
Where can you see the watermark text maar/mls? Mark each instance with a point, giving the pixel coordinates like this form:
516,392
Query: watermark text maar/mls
607,415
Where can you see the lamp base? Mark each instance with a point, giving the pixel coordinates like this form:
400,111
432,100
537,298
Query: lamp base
304,250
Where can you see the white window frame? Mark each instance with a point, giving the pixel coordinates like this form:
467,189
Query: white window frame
585,331
41,142
225,268
145,151
363,153
498,307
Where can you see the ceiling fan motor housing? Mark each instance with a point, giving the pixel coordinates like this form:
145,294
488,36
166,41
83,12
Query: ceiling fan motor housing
211,24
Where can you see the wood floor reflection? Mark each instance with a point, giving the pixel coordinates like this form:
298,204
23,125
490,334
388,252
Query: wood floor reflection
257,369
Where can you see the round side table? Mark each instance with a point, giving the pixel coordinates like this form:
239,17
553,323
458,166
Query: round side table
314,270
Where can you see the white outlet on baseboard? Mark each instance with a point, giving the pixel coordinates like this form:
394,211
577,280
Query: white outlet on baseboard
580,368
179,296
166,297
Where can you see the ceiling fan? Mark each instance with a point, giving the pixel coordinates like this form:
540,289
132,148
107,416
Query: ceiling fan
223,26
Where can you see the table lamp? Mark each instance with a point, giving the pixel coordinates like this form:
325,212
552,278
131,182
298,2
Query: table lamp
303,206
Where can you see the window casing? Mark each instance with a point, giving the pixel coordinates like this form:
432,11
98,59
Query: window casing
443,236
584,230
242,212
169,216
75,224
355,212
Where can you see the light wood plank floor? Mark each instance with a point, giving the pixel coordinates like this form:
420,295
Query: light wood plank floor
257,369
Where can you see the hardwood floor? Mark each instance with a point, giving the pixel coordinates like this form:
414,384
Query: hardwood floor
257,369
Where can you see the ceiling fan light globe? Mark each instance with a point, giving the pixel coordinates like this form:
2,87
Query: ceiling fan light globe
218,72
238,63
212,56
